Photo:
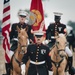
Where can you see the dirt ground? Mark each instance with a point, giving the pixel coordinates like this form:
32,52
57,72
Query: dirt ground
2,61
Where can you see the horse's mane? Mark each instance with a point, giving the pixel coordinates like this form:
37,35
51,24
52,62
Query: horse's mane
61,34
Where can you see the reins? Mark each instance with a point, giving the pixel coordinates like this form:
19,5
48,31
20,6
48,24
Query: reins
22,48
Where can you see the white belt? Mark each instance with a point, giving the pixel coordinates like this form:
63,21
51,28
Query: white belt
52,37
15,39
37,63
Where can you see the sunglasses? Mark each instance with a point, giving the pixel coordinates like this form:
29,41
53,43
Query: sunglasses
38,36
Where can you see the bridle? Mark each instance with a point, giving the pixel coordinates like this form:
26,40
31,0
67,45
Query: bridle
59,50
22,47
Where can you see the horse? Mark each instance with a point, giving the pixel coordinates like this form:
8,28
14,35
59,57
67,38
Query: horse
20,51
58,55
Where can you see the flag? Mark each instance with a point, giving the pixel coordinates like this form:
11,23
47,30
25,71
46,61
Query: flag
6,29
37,8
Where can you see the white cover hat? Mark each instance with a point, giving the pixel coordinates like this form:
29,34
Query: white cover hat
39,32
22,13
57,13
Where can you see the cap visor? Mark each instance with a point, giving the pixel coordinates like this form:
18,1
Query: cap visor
38,36
22,15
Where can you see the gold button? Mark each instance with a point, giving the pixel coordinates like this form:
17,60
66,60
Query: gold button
36,61
36,58
55,27
37,52
37,49
36,55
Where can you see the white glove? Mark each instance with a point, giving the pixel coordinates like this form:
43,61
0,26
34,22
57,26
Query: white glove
15,39
23,69
46,41
11,53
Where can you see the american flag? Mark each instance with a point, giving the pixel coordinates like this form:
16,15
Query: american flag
6,29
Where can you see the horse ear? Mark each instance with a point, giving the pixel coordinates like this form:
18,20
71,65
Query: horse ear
56,34
65,34
26,29
18,29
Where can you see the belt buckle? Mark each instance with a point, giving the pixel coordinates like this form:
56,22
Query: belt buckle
36,61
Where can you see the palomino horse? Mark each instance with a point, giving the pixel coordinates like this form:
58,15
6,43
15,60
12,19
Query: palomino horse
20,51
58,55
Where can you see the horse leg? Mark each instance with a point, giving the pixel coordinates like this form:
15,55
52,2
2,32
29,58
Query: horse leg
27,66
14,73
54,73
54,69
11,72
62,73
61,69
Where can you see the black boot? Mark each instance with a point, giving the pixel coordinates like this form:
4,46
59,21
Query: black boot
71,69
7,66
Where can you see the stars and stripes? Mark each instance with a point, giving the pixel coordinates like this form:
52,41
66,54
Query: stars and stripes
6,29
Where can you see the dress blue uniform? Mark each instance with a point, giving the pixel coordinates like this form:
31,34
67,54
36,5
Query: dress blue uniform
51,31
53,28
39,58
22,14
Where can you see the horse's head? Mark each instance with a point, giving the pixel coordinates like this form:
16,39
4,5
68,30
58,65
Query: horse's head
22,39
61,43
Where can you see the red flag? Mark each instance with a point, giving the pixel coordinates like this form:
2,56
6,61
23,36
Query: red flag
6,29
37,9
